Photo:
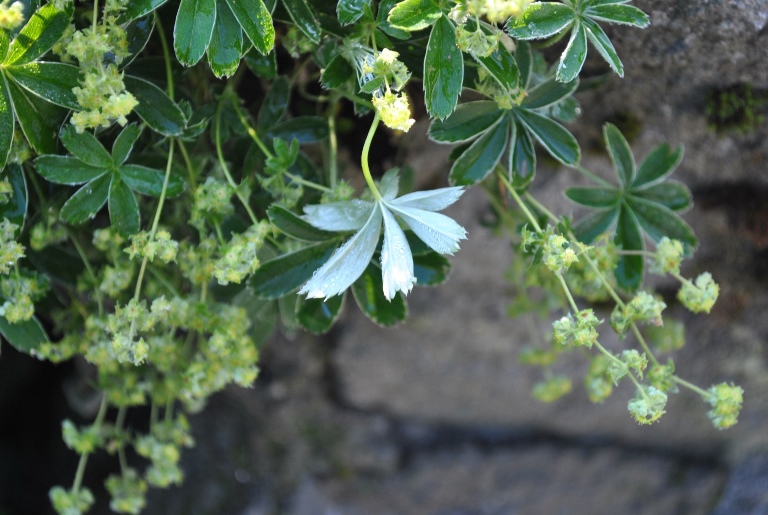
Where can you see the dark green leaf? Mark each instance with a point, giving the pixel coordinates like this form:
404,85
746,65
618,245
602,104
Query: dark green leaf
137,33
304,18
87,201
603,45
443,70
67,170
41,32
657,166
5,41
368,291
385,6
554,137
85,147
23,336
467,122
123,208
306,129
620,153
226,46
256,22
58,263
541,20
274,105
524,60
156,108
123,145
671,194
522,156
629,272
595,224
138,8
295,227
148,181
502,66
193,29
413,15
51,81
481,157
548,92
574,55
262,65
40,121
285,273
619,13
337,73
316,315
431,269
349,11
658,221
15,209
6,122
594,197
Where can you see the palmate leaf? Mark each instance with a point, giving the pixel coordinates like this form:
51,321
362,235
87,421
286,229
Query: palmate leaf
443,70
413,15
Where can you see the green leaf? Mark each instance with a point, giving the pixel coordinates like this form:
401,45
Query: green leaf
337,73
594,197
595,224
619,13
541,20
4,44
148,181
124,142
7,124
137,33
85,147
123,208
50,81
620,153
41,32
316,315
466,122
522,155
574,55
431,269
304,18
295,227
443,70
66,170
657,166
672,194
603,45
549,92
385,6
629,272
658,221
413,15
349,11
481,157
87,201
502,66
524,60
40,121
285,273
554,137
274,105
256,22
306,129
262,65
155,107
138,8
15,209
23,336
193,29
226,47
368,291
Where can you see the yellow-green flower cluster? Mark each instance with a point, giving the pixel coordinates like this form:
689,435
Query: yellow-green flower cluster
10,250
648,405
661,376
161,246
394,110
668,256
630,359
579,330
559,253
597,383
20,292
239,257
477,42
726,403
82,441
211,203
497,11
6,191
69,502
699,296
552,389
11,14
643,307
127,492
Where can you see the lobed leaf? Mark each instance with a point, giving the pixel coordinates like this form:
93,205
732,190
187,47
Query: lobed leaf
123,208
522,155
595,197
156,108
657,166
67,170
548,92
591,226
226,46
149,181
368,292
466,122
23,336
554,137
620,153
413,15
502,66
574,55
124,142
40,121
7,124
629,272
304,18
603,45
40,33
443,70
541,20
481,157
87,201
349,11
658,221
287,272
318,316
296,227
672,194
619,13
50,81
193,29
85,147
256,22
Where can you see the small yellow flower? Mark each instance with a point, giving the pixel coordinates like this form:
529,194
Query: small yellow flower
394,111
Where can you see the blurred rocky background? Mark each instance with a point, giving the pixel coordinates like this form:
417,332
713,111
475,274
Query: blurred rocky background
436,416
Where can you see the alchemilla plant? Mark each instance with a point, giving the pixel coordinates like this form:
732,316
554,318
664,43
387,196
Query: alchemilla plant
170,191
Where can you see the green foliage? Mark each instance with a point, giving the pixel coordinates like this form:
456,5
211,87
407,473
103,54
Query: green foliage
739,109
245,222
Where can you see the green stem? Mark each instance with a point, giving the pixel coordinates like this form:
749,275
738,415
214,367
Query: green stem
364,158
691,386
520,202
84,457
225,169
567,291
643,344
333,168
166,55
119,421
89,269
308,184
251,131
541,207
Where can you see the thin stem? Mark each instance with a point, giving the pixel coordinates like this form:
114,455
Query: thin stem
333,168
364,158
188,164
583,171
567,291
225,169
89,269
164,281
166,56
119,421
84,457
520,202
541,207
308,184
643,344
691,386
251,131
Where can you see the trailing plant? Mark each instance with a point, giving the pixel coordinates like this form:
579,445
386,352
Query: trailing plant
224,117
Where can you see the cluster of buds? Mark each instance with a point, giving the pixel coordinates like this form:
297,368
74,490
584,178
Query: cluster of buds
160,245
643,307
648,405
726,403
700,295
579,330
